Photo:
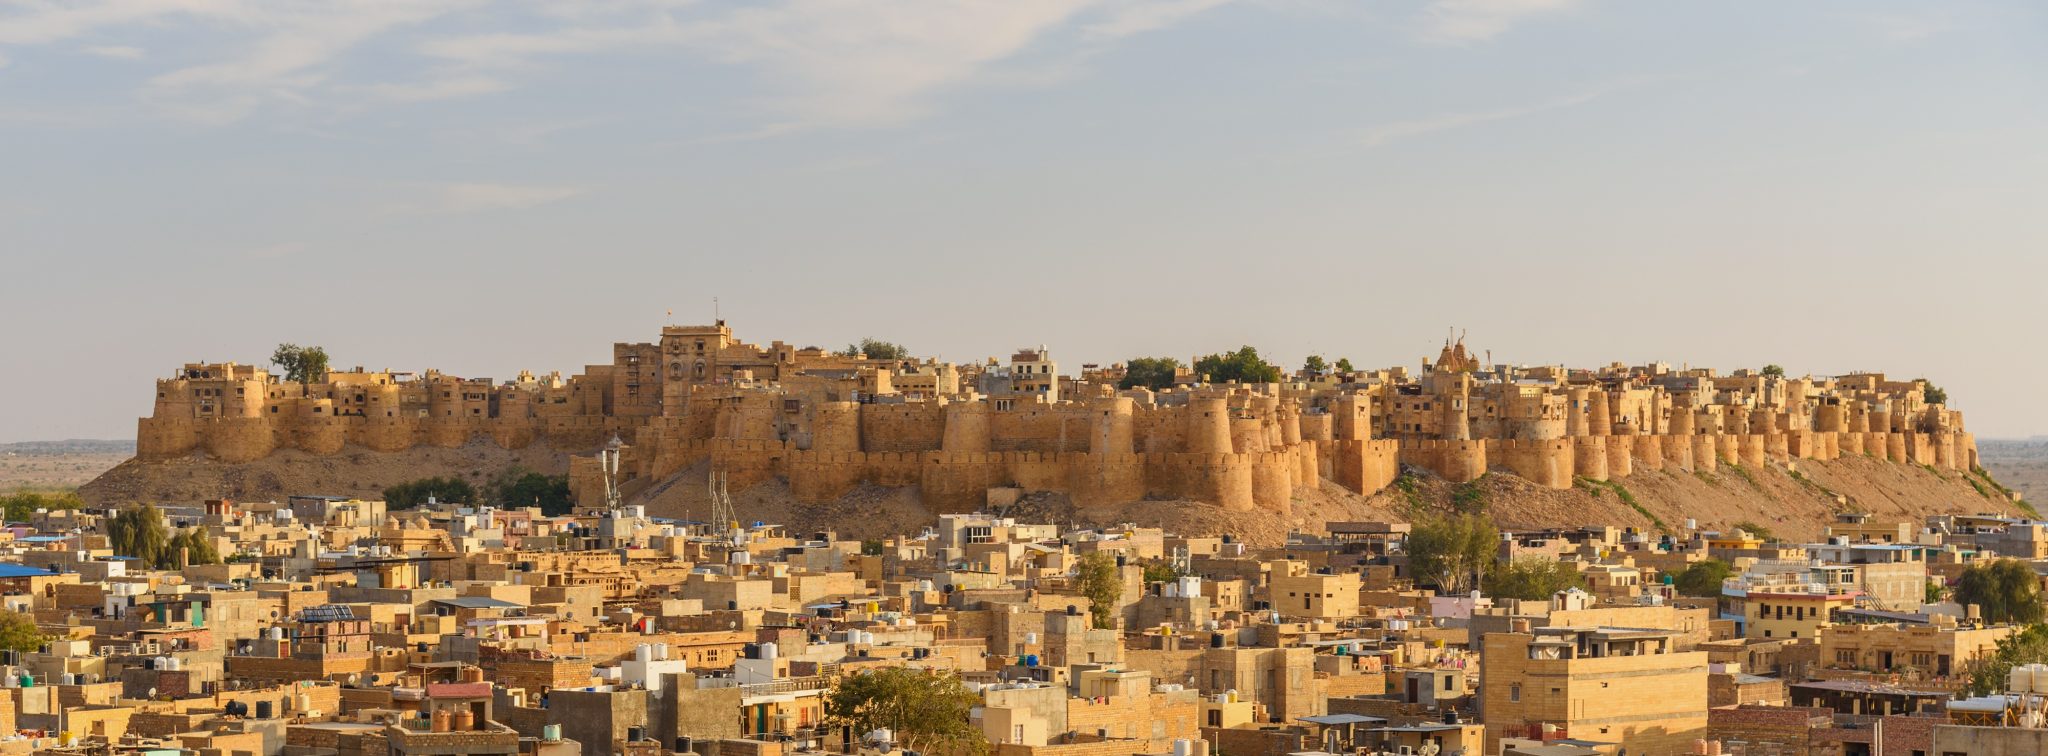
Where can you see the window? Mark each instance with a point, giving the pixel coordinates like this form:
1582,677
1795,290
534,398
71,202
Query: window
1515,692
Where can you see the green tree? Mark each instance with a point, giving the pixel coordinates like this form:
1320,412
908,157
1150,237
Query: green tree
1314,365
1988,673
198,550
1775,371
22,504
1532,578
1932,393
520,487
19,633
1758,530
139,532
1703,579
1243,366
927,712
1097,578
195,546
1160,571
1453,551
1149,372
1935,592
2006,590
876,349
301,365
414,493
1344,365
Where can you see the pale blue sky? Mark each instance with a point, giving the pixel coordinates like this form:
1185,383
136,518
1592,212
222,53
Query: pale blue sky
486,186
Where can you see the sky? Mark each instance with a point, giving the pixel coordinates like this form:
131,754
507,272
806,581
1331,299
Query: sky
483,187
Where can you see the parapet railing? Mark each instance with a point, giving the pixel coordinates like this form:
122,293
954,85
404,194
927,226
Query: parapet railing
791,685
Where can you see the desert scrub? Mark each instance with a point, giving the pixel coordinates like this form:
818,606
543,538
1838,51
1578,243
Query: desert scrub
1743,473
1411,492
1622,492
1811,485
1470,497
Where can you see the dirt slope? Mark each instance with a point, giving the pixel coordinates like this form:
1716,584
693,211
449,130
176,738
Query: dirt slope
352,472
1794,506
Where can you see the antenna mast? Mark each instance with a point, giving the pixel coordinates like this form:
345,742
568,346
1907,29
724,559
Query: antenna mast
722,515
608,460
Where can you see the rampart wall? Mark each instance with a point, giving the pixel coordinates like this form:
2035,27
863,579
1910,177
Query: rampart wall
1245,456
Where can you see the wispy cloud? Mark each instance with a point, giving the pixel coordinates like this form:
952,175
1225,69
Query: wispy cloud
438,88
276,51
117,52
288,61
1398,130
1911,27
1466,21
479,197
823,63
1149,15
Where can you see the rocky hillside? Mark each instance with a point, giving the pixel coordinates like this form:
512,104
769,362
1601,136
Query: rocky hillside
353,472
1794,503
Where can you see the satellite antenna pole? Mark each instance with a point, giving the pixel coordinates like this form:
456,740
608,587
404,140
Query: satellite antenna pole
723,518
608,461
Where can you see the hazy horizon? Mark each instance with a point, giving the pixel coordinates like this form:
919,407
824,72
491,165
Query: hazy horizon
483,187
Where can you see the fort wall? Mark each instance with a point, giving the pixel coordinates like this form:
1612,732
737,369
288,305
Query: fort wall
1589,457
1244,448
1547,463
1621,456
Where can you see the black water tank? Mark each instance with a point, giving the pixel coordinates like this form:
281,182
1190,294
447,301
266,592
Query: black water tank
1119,560
751,651
1073,611
683,745
1450,716
1216,640
237,709
732,605
635,733
264,709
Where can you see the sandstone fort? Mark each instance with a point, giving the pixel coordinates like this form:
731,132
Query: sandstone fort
827,422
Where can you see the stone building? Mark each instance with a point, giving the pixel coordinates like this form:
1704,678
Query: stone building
1597,684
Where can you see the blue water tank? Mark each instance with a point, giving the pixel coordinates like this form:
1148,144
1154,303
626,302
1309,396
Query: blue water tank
1031,660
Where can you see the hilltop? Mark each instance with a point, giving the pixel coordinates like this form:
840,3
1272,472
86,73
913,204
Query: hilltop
876,439
1790,505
